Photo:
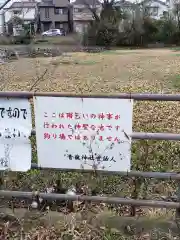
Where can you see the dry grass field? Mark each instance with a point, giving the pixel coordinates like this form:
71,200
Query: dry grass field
109,71
115,71
154,71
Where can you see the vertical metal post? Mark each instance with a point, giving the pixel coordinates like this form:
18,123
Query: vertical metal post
177,216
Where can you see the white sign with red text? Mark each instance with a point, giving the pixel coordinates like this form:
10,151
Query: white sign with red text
15,130
84,133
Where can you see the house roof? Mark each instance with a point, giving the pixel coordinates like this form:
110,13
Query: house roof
23,5
124,3
150,1
89,2
47,3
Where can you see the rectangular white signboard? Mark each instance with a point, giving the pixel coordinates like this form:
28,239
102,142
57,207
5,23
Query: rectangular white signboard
83,133
15,130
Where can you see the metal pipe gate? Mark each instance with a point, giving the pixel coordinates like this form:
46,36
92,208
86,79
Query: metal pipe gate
135,136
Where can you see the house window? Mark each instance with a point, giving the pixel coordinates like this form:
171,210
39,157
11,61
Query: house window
78,10
58,25
151,11
154,11
165,13
46,12
147,11
17,12
65,10
58,11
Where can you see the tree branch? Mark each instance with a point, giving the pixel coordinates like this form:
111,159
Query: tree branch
92,9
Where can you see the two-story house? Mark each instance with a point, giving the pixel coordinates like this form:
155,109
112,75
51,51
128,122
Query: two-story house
128,10
24,10
155,9
55,14
82,14
125,6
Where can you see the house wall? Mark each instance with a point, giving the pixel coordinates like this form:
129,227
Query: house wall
80,26
7,13
49,25
26,14
1,22
50,20
161,9
55,14
82,13
82,16
47,14
61,3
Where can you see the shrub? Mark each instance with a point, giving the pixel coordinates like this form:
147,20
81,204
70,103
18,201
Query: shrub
101,34
21,40
136,30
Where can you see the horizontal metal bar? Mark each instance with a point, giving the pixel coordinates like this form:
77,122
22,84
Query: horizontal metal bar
157,175
155,136
109,200
135,96
138,136
147,136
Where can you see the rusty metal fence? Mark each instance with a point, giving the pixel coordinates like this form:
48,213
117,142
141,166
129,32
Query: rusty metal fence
135,136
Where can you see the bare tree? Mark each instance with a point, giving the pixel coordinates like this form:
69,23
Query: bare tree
4,4
92,9
176,12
